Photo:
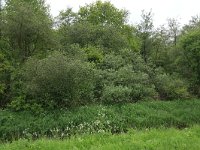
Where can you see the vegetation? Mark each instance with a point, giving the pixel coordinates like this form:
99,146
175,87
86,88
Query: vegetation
114,119
91,57
84,71
55,81
159,139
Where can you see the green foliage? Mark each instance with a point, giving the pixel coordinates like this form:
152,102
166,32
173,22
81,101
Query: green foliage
160,48
135,59
93,119
67,18
103,13
76,52
138,81
145,32
6,69
57,81
193,24
78,33
28,27
170,86
19,103
190,43
112,61
94,54
97,24
104,59
130,74
107,37
116,94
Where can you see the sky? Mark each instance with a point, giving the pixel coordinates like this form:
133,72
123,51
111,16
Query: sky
182,10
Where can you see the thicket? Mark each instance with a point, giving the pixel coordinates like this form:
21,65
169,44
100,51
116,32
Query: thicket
92,56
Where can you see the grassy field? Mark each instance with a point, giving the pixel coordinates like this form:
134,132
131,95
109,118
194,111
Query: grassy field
179,114
146,139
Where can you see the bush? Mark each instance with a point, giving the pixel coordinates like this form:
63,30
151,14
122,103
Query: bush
94,54
170,86
58,81
116,94
136,60
112,61
138,81
131,76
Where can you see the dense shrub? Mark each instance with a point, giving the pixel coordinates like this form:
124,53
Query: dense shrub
116,94
57,81
112,61
123,79
94,54
138,81
170,86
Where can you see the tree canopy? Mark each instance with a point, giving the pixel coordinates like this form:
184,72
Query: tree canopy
93,56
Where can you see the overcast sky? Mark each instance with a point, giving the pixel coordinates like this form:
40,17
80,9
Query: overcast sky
162,9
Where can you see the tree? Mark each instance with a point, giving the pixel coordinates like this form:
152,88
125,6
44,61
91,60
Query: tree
28,27
159,46
98,24
174,30
103,13
66,18
145,29
193,23
5,73
190,43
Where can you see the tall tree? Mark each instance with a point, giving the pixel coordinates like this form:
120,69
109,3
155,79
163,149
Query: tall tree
193,24
190,43
159,46
174,30
28,26
100,24
145,29
103,13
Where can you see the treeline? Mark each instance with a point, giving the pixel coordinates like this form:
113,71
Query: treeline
93,56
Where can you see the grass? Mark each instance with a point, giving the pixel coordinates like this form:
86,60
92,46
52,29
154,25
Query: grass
150,139
93,119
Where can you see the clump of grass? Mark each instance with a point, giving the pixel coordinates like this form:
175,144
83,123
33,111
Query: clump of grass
94,119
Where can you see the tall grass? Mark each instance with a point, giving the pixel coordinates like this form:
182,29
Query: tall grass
93,119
